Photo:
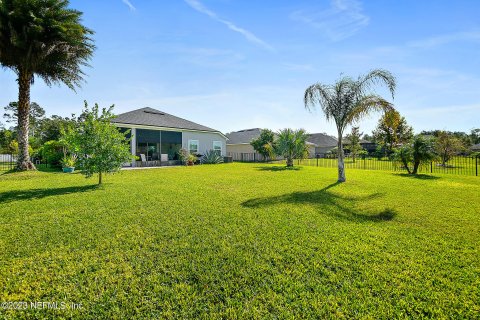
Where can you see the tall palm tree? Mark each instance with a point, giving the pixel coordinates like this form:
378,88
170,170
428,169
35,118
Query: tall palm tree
41,38
349,100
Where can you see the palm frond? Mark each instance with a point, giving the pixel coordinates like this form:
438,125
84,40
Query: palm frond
319,94
366,105
375,77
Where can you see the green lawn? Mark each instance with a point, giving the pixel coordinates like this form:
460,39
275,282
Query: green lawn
456,165
241,241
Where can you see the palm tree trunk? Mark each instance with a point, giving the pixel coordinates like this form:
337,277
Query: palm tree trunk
289,162
24,82
341,161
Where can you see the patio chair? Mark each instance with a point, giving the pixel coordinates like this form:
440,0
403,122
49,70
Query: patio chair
143,158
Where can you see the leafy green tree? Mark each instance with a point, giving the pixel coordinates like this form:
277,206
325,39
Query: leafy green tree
354,145
474,136
292,144
36,114
41,38
51,128
100,146
447,145
265,144
6,138
348,101
412,155
392,131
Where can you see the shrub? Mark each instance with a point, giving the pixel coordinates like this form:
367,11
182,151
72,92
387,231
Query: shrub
211,157
51,152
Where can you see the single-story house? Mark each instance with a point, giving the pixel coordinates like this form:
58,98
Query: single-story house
239,147
323,142
475,147
157,136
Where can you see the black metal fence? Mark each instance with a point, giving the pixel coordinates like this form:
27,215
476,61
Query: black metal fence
249,157
460,165
9,161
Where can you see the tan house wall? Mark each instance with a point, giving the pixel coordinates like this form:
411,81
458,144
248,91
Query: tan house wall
240,148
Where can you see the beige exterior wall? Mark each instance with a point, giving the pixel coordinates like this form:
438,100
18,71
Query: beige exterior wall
205,140
240,148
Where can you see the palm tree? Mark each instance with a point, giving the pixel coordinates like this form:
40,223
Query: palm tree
349,100
292,144
41,38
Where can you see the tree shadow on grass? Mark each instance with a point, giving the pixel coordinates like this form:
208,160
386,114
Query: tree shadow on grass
417,176
19,195
277,168
340,206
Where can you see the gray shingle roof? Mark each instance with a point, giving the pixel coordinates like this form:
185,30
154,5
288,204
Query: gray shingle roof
322,140
475,146
243,136
157,118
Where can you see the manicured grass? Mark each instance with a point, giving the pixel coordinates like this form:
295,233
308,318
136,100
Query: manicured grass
457,165
241,241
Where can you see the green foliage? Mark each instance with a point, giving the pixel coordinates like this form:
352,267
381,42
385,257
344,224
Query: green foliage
474,136
6,139
292,144
69,161
183,155
52,152
353,144
252,242
265,144
348,101
65,47
100,146
36,115
447,146
392,131
41,38
420,151
211,157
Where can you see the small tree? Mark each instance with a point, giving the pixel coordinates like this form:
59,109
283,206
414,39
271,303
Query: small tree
292,144
265,144
101,147
353,144
447,146
420,151
392,131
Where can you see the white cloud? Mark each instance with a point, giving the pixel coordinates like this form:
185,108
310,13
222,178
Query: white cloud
129,5
198,6
343,19
445,39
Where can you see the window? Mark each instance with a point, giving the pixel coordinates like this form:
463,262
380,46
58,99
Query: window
193,146
217,147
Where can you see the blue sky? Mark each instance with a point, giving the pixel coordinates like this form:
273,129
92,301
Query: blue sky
236,64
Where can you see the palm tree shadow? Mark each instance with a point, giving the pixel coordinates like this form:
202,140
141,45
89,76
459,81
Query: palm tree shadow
19,195
417,176
277,168
340,206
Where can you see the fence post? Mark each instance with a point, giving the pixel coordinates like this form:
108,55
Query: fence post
364,162
317,161
476,166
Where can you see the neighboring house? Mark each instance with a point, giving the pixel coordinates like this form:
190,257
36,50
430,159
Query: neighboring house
475,147
323,142
239,147
158,136
367,145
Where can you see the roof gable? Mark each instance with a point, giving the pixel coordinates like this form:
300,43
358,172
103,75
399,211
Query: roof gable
243,136
322,140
